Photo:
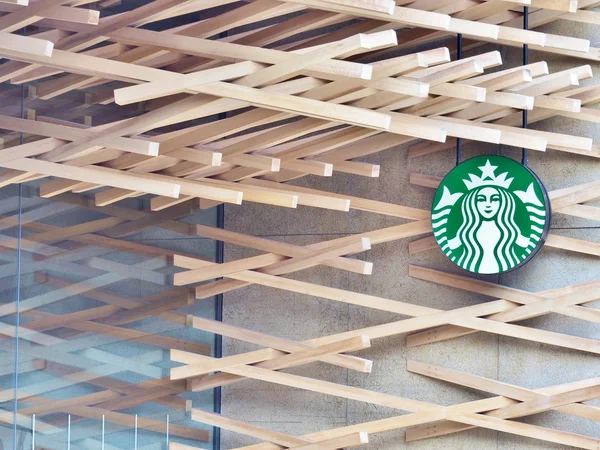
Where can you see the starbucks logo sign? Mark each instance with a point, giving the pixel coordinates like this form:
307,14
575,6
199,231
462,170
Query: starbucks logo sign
490,215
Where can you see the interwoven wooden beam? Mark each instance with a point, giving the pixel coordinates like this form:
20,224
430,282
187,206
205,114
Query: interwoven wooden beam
402,114
467,413
230,109
564,398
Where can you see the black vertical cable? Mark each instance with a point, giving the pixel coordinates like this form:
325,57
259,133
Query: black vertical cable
525,62
220,258
459,49
219,317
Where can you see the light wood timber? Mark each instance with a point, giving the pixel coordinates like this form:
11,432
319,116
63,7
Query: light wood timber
271,262
193,368
409,309
285,345
565,299
496,387
432,411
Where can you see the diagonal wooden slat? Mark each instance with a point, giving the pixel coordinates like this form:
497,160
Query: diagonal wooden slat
193,368
308,87
498,388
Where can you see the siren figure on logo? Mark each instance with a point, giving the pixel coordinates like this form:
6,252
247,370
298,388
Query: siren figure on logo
494,228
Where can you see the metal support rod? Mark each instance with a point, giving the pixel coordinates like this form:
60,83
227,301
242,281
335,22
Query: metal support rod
69,432
525,62
135,433
33,432
459,51
167,433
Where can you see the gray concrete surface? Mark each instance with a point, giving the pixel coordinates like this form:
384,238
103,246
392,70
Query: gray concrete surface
299,317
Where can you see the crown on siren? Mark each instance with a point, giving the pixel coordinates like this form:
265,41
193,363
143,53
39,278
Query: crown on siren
488,178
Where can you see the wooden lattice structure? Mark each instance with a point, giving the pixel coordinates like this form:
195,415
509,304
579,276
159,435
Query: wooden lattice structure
230,108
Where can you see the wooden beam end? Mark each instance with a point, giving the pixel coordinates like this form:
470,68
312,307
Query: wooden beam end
93,17
49,47
366,72
573,4
153,148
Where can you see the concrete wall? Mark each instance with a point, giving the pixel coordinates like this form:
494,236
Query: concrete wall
299,317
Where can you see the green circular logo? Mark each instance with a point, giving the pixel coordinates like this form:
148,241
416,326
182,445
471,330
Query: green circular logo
490,214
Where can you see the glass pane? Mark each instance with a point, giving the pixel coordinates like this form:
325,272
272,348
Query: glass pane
95,308
9,264
100,314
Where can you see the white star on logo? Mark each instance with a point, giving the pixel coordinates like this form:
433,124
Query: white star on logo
488,170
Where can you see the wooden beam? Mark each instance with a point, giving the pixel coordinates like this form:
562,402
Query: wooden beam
495,387
25,16
432,412
565,299
193,368
25,45
94,174
271,263
282,345
140,146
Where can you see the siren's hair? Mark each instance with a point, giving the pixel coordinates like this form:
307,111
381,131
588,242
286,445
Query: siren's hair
509,231
472,251
505,250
